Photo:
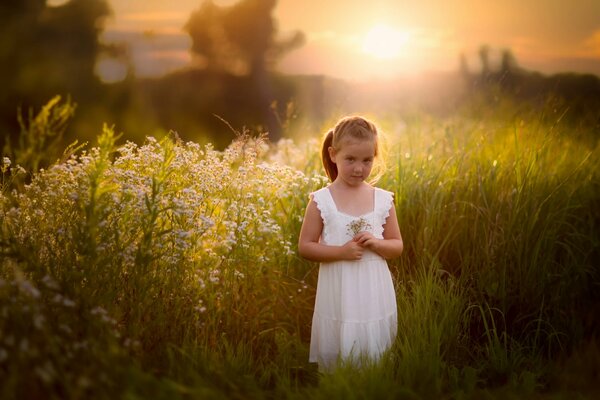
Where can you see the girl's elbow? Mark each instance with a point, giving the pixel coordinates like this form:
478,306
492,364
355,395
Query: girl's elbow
398,249
302,250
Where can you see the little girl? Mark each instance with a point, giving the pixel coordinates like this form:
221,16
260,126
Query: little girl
350,227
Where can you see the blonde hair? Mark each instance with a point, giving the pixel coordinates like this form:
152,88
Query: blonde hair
354,127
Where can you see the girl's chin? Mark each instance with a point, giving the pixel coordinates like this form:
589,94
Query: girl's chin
354,181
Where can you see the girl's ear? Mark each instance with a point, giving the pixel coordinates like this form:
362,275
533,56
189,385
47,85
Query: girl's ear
331,151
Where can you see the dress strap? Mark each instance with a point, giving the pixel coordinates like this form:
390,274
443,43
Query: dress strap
322,199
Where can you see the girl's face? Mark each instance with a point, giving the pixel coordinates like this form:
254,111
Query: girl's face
354,160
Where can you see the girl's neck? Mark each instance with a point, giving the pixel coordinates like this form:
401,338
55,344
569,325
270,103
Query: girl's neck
340,185
353,200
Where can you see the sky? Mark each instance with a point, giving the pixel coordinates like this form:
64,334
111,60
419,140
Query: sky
344,37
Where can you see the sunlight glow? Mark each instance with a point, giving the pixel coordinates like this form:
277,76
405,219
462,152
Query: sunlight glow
384,42
110,70
56,3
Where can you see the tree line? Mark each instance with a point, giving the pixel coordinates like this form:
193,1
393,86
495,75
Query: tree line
50,50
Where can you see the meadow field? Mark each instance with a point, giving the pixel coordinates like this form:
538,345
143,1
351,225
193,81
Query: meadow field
169,269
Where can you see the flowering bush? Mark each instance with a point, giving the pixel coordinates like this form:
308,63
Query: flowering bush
167,238
41,342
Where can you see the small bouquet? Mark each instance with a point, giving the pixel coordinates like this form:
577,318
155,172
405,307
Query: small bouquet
357,226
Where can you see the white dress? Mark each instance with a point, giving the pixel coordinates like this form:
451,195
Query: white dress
355,307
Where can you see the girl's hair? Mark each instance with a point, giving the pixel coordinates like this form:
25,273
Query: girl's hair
354,127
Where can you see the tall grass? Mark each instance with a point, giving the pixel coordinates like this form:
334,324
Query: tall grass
177,263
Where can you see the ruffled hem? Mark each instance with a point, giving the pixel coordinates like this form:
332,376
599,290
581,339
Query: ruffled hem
333,341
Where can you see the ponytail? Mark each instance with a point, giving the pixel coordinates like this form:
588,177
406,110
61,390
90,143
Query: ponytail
330,166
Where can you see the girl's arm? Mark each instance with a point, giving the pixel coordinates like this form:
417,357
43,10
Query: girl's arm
391,245
309,246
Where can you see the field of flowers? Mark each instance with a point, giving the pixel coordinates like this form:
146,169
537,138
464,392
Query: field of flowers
169,269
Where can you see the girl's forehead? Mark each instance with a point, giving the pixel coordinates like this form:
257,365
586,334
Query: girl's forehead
356,143
357,146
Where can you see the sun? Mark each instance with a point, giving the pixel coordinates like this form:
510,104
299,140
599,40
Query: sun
56,3
384,42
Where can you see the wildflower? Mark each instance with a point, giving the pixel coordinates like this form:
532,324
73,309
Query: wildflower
38,321
29,289
358,225
20,170
200,309
46,372
83,382
24,346
47,280
68,302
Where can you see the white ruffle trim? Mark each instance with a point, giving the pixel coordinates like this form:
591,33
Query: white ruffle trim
382,211
320,199
334,341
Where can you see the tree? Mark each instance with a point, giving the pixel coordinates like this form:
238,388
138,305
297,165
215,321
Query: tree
45,51
209,44
241,39
464,66
484,56
508,63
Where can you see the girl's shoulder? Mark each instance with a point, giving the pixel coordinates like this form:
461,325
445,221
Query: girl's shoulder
318,194
323,189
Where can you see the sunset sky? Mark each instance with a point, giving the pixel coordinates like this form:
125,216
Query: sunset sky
344,37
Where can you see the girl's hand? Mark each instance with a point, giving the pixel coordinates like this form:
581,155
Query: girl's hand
366,239
351,251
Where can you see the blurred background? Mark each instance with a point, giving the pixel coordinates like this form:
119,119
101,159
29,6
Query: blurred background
148,67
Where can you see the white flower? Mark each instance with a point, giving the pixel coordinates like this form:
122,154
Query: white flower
358,225
29,289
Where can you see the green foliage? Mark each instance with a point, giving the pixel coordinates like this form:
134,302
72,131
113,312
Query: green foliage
500,206
176,262
430,327
45,50
56,50
41,341
40,141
